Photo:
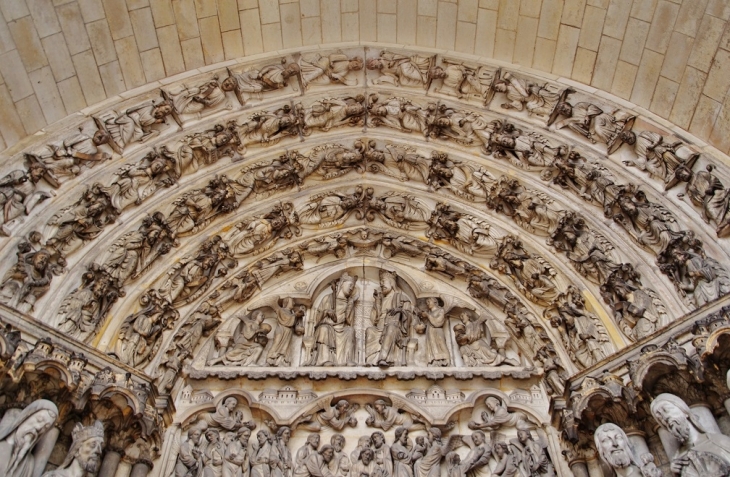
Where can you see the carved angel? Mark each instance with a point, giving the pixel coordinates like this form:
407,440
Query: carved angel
440,261
386,416
335,244
83,221
532,274
331,69
259,233
196,209
249,340
527,95
497,415
330,113
71,156
18,194
465,232
335,207
194,100
401,70
398,113
255,82
464,81
483,341
530,209
335,160
134,183
325,415
207,147
191,276
589,120
289,321
136,124
525,149
583,334
268,128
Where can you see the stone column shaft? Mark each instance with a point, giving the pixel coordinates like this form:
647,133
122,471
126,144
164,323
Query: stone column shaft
140,469
110,463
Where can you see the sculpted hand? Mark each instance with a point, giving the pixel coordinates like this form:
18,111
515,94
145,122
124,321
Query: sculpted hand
678,464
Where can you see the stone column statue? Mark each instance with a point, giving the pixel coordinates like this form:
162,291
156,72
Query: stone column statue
84,455
613,447
700,452
20,431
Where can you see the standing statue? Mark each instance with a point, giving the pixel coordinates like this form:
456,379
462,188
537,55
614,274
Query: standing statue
430,464
333,333
190,456
281,461
476,462
387,341
237,461
403,454
531,455
614,449
213,454
365,466
700,453
260,454
507,464
20,431
340,464
288,322
432,322
84,456
381,453
318,463
310,447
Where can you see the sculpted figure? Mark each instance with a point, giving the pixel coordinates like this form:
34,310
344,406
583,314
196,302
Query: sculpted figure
226,416
464,81
340,463
386,416
475,342
190,456
258,233
365,466
318,463
614,449
401,70
18,194
382,456
194,100
255,82
84,456
268,128
432,322
526,150
659,158
327,416
589,120
213,454
196,209
20,431
397,113
466,232
30,278
140,333
133,253
387,341
288,317
693,272
136,124
476,462
403,454
507,464
555,373
281,460
526,95
430,464
333,332
237,461
170,366
83,221
331,69
332,113
638,310
583,334
529,209
249,341
204,319
83,309
496,416
300,461
705,190
532,275
65,160
440,261
701,453
260,454
531,455
463,127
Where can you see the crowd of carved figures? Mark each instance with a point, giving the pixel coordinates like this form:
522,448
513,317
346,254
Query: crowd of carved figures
398,444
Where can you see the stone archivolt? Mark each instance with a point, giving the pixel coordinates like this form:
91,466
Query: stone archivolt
366,216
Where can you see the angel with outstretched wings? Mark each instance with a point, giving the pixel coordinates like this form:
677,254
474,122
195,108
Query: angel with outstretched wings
430,464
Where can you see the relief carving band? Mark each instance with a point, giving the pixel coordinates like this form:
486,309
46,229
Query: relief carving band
329,339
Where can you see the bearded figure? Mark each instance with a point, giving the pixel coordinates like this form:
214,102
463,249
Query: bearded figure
613,447
701,453
84,455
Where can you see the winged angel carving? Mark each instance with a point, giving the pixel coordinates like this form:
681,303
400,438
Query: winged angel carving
334,208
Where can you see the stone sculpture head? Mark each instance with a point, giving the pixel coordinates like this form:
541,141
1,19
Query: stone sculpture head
366,455
478,438
387,281
86,447
313,440
27,427
378,439
674,415
283,434
500,449
338,442
212,436
492,403
613,445
401,435
327,452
